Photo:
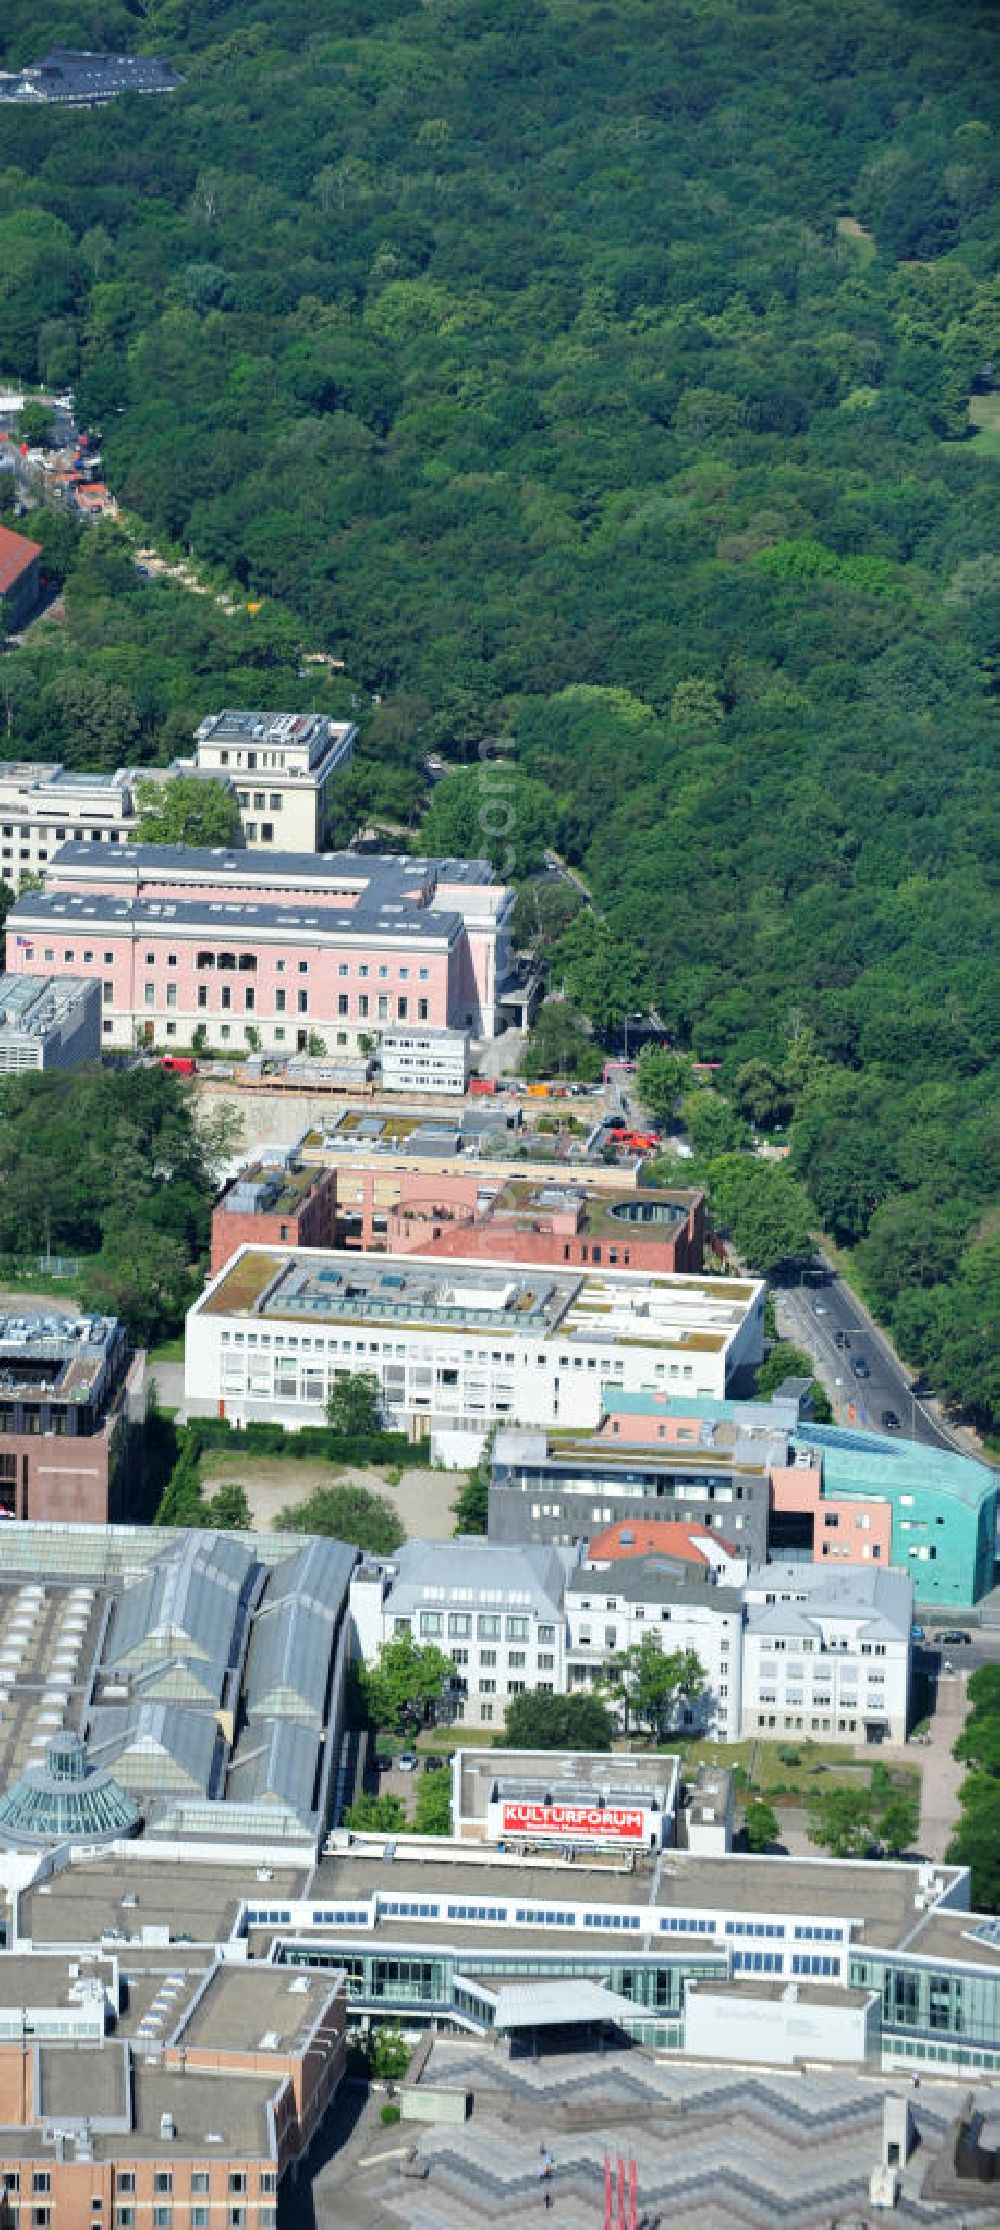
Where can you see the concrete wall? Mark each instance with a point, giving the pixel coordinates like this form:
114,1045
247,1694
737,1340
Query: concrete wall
433,2103
778,2031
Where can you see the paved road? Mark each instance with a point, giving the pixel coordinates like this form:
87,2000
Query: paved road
814,1315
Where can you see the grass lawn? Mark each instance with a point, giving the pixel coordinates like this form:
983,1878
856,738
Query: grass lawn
170,1351
26,1284
984,414
859,243
818,1762
455,1738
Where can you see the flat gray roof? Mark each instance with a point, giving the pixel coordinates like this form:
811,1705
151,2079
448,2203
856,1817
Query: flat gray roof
243,2005
36,1978
221,2117
358,1873
199,1902
210,916
747,1987
879,1896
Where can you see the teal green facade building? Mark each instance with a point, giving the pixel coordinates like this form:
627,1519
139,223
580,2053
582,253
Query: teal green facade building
944,1507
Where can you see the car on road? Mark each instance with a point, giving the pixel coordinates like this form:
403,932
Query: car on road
409,1762
955,1638
861,1367
890,1421
842,1339
820,1308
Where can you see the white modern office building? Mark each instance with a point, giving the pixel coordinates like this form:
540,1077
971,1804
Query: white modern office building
826,1652
455,1346
283,768
417,1060
44,806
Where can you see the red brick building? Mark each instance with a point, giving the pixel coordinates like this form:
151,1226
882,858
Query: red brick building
71,1407
271,1203
470,1213
19,563
558,1221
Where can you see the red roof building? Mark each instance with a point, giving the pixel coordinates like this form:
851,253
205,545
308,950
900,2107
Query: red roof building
689,1544
19,560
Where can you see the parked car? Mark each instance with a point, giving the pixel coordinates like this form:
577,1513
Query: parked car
409,1762
955,1638
890,1421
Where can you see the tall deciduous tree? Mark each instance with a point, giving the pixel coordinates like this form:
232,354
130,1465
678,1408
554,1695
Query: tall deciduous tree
189,809
406,1683
647,1683
538,1721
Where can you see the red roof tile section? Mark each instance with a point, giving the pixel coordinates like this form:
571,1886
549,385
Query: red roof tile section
655,1537
16,554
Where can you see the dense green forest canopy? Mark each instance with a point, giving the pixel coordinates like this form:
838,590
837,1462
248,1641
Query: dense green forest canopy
614,381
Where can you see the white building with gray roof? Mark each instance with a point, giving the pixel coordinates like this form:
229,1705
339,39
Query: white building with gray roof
497,1612
681,1609
826,1653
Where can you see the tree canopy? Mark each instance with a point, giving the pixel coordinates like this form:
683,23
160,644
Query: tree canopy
189,809
115,1167
647,1683
614,395
347,1513
406,1684
540,1721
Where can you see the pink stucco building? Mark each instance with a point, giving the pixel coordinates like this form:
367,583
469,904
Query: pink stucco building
270,950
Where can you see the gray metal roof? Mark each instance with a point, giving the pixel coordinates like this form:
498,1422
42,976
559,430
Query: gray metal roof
205,916
277,1764
288,1663
656,1579
402,870
481,1574
818,1591
319,1574
155,1746
546,2005
188,1606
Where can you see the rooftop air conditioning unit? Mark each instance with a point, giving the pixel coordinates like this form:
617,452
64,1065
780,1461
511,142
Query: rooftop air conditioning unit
168,2126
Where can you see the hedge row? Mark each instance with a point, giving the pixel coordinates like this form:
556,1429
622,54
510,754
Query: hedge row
312,1440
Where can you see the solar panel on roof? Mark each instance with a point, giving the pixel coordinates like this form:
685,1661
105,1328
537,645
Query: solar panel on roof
864,1443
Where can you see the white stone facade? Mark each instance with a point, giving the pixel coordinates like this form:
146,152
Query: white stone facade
496,1612
826,1654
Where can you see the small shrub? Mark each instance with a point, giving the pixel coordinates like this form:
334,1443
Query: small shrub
389,2113
788,1756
